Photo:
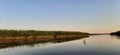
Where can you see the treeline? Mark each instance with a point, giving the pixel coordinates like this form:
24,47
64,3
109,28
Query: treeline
16,33
115,33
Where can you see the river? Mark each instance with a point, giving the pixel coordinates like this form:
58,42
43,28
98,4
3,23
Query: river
95,45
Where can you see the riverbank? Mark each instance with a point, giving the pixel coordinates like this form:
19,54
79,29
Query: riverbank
41,37
33,34
20,41
115,33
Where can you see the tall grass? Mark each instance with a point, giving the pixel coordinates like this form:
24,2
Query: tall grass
15,33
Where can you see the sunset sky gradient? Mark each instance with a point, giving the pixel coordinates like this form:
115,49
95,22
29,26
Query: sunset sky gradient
94,16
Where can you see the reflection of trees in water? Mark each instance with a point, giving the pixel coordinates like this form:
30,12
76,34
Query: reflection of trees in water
116,36
34,42
14,43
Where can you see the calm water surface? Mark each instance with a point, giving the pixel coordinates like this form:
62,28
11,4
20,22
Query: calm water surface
95,45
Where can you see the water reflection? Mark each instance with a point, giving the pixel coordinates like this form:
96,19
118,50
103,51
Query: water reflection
33,42
115,36
93,45
84,42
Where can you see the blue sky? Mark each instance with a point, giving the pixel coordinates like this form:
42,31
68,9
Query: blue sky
65,15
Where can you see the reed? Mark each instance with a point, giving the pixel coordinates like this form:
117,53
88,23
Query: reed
24,34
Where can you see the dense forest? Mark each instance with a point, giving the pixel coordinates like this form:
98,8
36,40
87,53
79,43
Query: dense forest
115,33
16,33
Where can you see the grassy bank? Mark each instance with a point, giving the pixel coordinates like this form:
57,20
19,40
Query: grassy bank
33,34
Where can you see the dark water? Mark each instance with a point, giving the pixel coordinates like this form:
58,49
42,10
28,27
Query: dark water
94,45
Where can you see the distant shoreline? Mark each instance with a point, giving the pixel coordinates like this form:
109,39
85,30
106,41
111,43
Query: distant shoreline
116,33
33,34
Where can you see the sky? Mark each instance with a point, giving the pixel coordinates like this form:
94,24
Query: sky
93,16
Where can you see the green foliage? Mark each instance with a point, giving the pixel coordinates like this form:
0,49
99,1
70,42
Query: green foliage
115,33
14,33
